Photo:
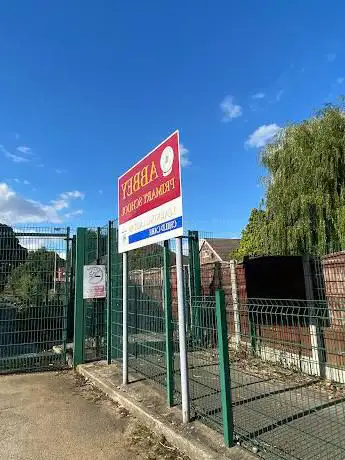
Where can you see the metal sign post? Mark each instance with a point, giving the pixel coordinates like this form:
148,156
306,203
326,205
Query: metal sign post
182,332
125,318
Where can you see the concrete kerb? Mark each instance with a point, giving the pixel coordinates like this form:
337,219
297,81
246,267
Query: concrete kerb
146,403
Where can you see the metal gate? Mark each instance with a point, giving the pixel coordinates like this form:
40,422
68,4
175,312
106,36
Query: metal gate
146,322
34,297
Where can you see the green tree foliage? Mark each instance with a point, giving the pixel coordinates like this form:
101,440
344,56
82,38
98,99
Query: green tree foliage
33,281
12,253
305,188
254,236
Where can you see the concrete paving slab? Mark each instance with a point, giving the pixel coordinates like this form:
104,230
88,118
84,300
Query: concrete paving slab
148,403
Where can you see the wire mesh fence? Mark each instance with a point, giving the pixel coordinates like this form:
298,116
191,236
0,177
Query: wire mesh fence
146,326
34,268
203,363
116,293
286,346
95,313
288,379
285,317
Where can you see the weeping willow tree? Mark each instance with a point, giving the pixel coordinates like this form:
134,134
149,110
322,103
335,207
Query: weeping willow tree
305,186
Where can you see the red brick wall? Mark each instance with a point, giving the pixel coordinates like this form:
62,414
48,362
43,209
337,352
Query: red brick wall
334,275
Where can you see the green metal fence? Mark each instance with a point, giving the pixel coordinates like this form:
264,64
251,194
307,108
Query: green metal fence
115,300
146,326
288,378
90,322
95,309
152,313
268,373
34,297
287,365
153,342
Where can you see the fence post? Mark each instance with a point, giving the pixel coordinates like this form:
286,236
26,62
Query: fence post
168,326
237,323
78,349
67,289
125,318
193,237
224,368
116,304
71,297
182,333
109,287
316,335
97,305
196,272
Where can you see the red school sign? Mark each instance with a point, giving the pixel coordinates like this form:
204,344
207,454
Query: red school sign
152,182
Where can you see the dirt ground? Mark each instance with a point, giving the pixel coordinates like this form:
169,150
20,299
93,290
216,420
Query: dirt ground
61,416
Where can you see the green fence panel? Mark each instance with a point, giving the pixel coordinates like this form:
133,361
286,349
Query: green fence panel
71,294
33,298
95,310
78,352
116,297
168,327
146,322
110,242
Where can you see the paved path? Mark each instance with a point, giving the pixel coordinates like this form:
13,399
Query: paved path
53,415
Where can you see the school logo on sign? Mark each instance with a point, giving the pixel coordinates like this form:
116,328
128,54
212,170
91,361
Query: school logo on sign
167,160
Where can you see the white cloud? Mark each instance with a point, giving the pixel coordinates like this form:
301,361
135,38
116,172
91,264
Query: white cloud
18,181
258,95
263,135
74,195
279,95
64,198
230,109
24,149
184,152
78,212
60,204
16,209
59,171
16,158
340,80
331,57
12,156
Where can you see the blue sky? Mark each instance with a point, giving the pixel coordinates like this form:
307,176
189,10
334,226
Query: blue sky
87,88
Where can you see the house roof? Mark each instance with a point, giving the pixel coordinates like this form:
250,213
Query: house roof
223,246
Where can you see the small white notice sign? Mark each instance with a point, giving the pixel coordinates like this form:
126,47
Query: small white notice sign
94,282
